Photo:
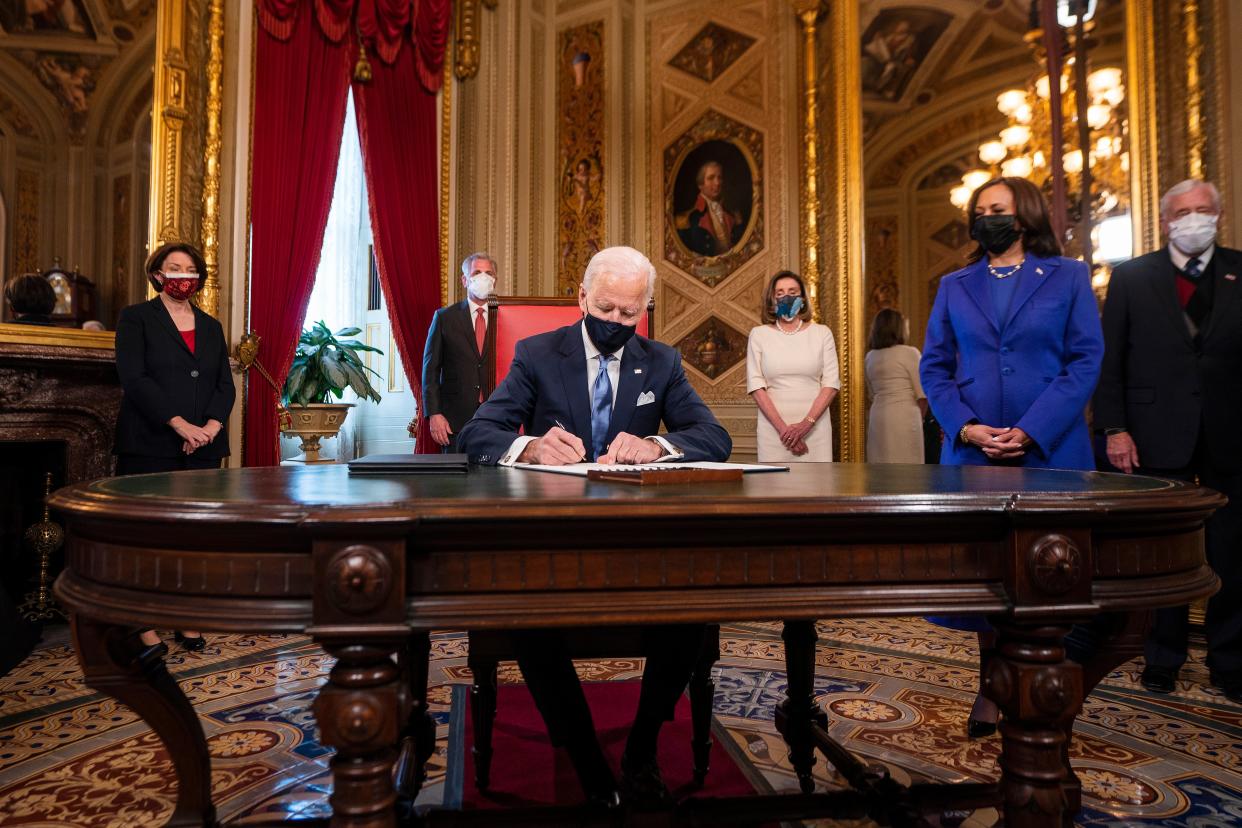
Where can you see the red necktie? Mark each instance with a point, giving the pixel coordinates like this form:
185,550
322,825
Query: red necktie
480,333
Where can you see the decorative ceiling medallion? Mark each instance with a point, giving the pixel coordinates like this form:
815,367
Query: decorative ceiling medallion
713,198
710,52
713,347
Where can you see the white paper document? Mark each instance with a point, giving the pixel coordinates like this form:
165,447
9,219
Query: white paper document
581,469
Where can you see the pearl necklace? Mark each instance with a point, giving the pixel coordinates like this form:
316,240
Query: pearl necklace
789,333
995,271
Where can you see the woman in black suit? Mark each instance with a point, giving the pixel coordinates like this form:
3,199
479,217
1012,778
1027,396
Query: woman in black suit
173,363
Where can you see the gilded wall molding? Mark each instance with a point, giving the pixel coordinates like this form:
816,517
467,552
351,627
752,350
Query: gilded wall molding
1144,159
809,13
841,247
170,116
446,171
209,299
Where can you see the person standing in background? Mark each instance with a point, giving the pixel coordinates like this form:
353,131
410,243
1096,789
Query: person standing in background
1169,399
177,387
454,369
1011,357
898,404
793,376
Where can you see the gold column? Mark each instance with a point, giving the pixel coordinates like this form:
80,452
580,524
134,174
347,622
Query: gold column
809,13
1141,92
1194,89
446,171
842,205
169,117
209,299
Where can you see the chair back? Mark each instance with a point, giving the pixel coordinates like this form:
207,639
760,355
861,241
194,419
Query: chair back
511,318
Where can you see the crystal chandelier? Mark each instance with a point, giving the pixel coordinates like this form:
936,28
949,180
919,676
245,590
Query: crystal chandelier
1023,147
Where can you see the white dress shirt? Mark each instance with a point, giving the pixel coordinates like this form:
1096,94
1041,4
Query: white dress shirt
516,448
1180,259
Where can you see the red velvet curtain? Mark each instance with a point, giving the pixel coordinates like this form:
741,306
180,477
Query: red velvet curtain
306,52
301,84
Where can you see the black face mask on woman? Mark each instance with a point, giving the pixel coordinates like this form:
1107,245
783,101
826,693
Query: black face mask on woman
996,233
607,336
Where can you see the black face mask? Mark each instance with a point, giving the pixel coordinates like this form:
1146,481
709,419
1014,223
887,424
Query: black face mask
996,233
607,336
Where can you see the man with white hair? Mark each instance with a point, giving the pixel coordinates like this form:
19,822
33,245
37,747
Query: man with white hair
597,391
453,364
1169,398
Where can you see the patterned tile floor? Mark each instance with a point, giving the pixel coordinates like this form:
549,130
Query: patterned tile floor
897,692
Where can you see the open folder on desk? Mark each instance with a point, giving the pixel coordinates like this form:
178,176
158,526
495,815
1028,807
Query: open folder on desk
410,464
584,469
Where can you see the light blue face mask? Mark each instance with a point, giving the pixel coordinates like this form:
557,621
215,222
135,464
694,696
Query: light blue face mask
787,307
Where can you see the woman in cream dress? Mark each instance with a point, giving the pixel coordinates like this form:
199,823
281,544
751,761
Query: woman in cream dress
898,404
791,371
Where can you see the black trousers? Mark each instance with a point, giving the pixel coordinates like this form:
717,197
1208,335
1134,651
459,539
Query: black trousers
1166,644
671,652
142,464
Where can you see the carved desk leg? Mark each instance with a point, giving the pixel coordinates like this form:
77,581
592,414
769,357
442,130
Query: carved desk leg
1040,693
798,712
115,662
483,692
418,736
361,711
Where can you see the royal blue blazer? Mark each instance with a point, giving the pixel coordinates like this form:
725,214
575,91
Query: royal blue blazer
547,385
1034,370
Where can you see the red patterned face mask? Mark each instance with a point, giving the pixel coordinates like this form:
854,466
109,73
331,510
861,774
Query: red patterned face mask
178,286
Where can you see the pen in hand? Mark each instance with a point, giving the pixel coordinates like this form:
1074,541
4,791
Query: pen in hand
562,428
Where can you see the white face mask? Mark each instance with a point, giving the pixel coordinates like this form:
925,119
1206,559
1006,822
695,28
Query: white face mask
1194,233
480,286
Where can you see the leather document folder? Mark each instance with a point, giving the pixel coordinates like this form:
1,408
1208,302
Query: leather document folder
410,464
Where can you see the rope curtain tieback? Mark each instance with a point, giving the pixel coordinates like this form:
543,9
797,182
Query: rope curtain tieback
247,356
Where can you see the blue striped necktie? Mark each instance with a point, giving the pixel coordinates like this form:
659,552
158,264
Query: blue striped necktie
1193,269
601,408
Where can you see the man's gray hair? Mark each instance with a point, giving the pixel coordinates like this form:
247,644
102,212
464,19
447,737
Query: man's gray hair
619,261
702,173
467,263
1189,185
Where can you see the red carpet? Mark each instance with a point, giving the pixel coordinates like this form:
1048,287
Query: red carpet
527,771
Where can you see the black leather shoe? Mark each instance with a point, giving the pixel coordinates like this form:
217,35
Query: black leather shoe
1159,679
1230,685
978,729
192,643
642,784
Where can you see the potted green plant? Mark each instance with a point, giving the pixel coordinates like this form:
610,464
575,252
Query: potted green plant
324,365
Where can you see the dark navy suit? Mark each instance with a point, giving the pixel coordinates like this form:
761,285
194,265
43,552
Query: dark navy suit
547,383
1034,370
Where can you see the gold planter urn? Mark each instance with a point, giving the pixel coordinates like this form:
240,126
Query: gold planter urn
312,422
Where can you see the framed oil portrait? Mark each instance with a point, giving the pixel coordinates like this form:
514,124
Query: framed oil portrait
714,198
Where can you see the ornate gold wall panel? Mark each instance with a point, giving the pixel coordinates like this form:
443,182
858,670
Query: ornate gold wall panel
581,163
1142,87
720,91
26,223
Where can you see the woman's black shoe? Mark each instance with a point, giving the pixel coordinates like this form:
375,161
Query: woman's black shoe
190,643
978,729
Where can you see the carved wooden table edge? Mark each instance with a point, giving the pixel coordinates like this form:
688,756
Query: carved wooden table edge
362,592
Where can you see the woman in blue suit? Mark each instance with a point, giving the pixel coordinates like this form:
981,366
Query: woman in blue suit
1012,355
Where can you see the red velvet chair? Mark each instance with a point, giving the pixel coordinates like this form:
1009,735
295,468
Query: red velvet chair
509,319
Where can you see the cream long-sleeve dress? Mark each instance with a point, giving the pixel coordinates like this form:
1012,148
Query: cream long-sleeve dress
895,424
794,369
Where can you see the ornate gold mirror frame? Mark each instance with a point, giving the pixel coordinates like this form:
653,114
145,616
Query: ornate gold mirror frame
168,219
831,189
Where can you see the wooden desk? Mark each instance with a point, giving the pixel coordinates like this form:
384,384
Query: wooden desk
368,566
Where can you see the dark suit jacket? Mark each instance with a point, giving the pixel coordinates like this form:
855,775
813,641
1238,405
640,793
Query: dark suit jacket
453,368
162,379
1157,382
547,382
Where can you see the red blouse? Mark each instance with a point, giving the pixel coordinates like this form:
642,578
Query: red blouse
188,336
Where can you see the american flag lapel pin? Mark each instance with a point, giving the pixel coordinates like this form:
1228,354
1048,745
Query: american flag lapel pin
638,370
1231,277
1039,271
